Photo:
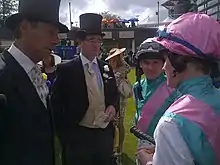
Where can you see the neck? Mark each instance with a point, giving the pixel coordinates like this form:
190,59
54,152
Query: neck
47,66
152,79
195,84
89,57
26,50
191,75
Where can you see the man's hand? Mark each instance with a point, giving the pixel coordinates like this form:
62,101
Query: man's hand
110,112
144,157
149,149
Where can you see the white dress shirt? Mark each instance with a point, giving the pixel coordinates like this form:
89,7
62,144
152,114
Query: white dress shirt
22,59
85,61
170,149
30,67
87,65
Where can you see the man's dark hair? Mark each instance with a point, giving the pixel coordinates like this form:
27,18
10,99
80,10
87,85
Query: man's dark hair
180,63
17,32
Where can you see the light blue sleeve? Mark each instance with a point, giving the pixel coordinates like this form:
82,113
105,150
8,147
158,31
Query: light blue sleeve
170,148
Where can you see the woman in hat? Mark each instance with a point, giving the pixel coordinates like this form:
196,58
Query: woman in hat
188,133
152,95
121,70
48,67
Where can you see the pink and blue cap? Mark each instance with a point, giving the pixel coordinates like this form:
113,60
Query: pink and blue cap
192,34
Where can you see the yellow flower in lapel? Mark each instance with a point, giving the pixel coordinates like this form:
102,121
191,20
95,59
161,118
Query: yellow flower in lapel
44,75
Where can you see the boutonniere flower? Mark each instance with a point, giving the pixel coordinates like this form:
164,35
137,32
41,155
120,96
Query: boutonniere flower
45,78
106,68
105,75
44,75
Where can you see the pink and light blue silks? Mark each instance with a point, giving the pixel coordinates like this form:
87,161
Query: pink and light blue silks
197,115
157,99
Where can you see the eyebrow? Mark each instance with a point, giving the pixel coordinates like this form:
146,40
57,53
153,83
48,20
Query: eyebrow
92,38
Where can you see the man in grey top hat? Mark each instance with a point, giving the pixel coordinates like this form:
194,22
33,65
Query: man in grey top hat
26,137
85,100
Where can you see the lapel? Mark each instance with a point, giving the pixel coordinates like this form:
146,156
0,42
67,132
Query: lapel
79,73
23,85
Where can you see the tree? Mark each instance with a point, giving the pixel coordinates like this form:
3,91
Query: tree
107,15
7,7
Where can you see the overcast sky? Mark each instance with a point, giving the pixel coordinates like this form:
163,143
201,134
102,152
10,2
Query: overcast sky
124,8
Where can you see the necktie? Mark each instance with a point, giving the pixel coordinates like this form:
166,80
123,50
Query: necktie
39,83
98,74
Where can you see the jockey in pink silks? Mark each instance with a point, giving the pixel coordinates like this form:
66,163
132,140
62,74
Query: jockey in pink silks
189,131
151,93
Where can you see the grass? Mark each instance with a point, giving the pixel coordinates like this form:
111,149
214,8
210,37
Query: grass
130,143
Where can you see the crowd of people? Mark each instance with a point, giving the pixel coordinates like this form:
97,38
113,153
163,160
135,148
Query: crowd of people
83,101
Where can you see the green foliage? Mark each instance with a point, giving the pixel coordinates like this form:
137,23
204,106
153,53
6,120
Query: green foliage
108,15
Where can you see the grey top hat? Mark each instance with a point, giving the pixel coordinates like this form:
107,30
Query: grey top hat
90,23
37,10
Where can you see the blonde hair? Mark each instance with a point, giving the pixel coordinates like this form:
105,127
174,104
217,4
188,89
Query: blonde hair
119,58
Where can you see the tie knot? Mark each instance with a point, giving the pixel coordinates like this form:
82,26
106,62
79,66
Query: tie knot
94,65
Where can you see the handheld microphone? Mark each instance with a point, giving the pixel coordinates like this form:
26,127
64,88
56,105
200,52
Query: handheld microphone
142,136
3,101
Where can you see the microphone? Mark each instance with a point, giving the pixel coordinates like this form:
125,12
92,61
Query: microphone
142,136
3,101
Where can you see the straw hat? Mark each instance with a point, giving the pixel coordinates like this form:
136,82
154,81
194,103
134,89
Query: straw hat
114,52
57,60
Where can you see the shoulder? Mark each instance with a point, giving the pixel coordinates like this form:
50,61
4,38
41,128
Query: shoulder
106,66
68,64
135,85
104,63
187,101
142,82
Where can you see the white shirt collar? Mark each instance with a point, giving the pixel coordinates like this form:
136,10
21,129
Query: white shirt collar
86,61
21,58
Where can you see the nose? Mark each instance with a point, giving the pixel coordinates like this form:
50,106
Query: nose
150,67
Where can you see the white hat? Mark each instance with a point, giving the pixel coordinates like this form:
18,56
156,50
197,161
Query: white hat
57,59
114,52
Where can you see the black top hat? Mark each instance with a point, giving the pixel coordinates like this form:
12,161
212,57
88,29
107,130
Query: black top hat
37,10
90,23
